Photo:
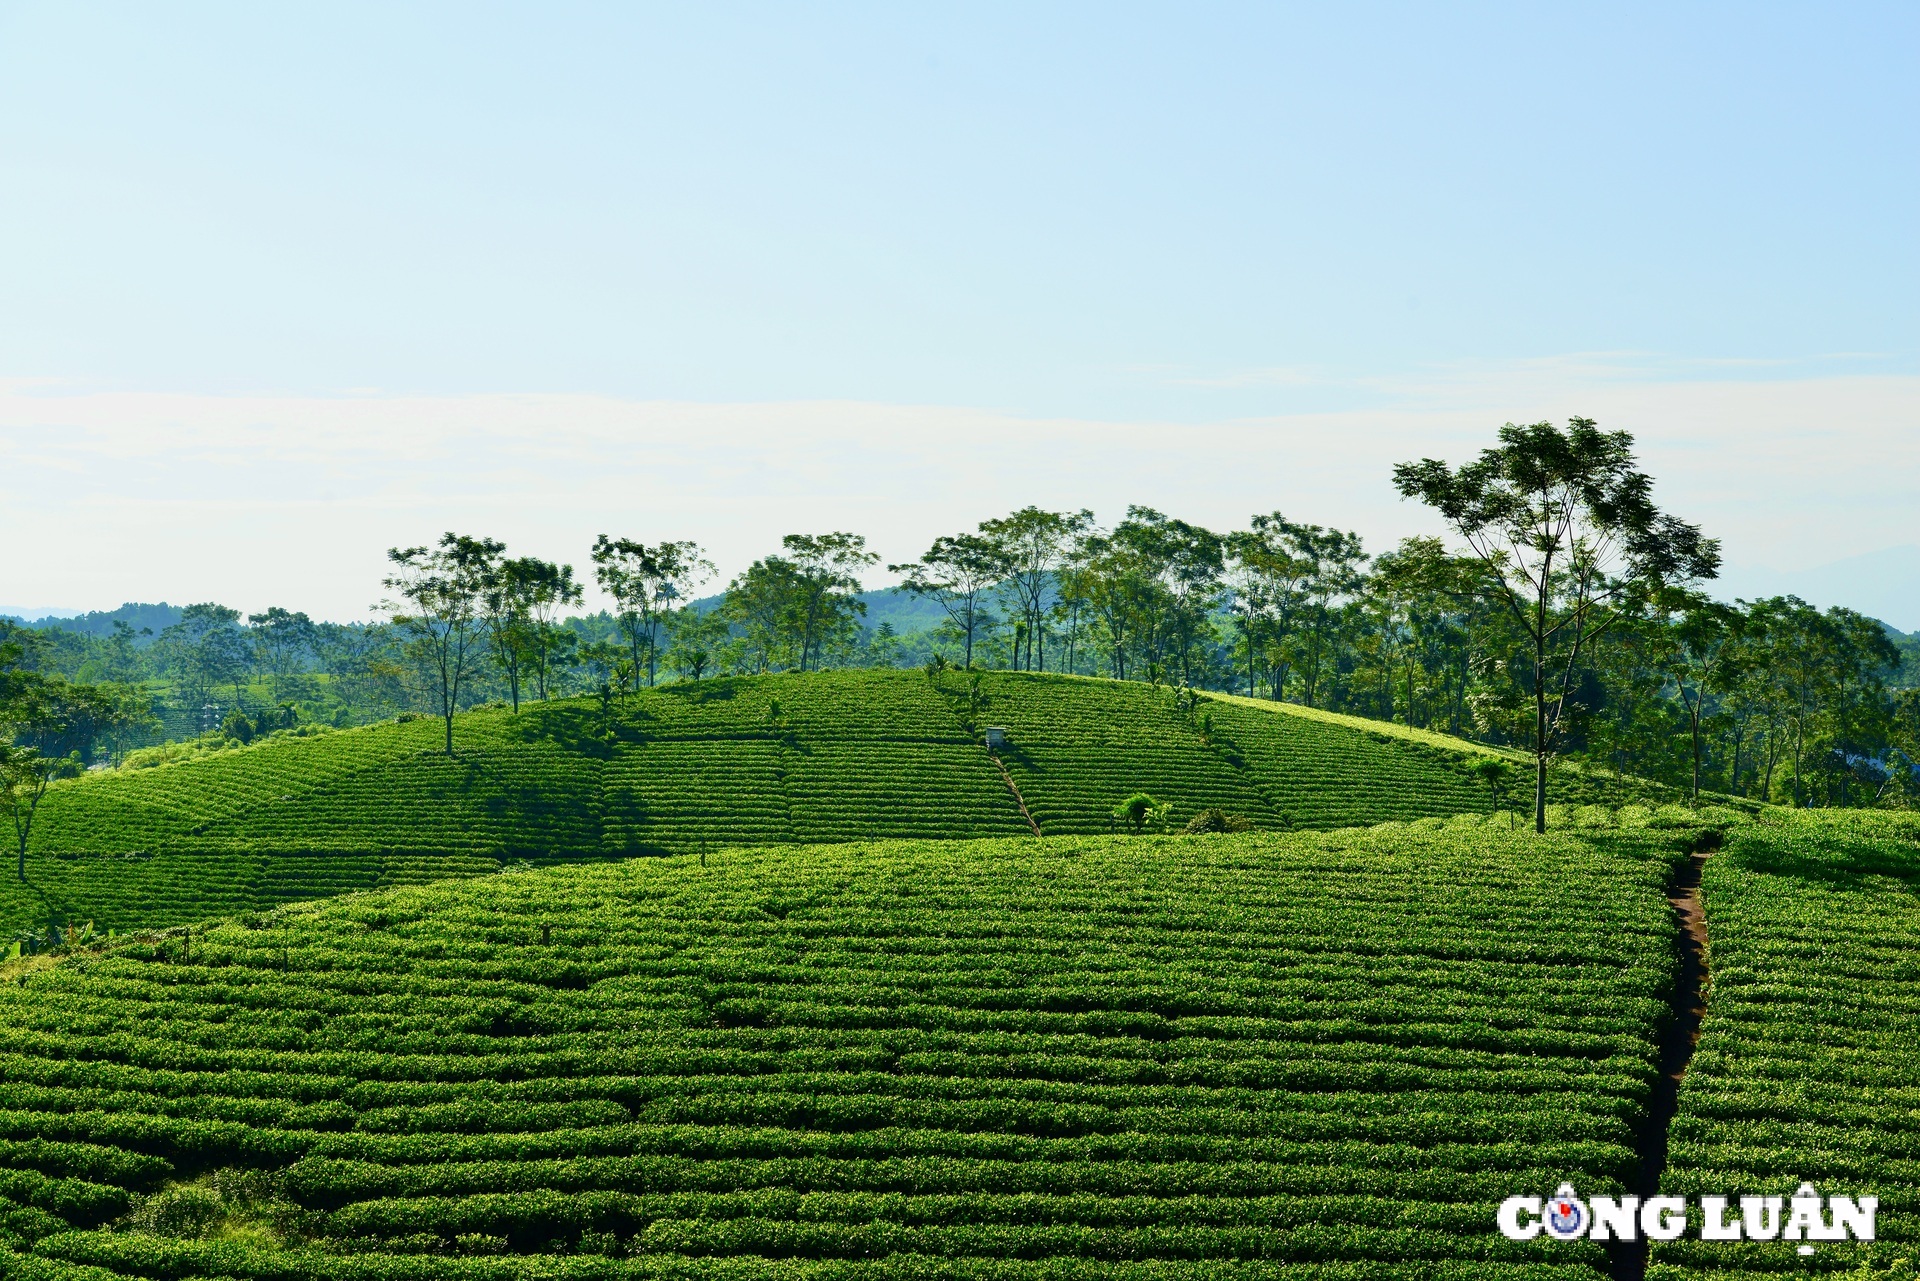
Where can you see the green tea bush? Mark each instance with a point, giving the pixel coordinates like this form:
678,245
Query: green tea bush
188,1211
1217,820
1141,812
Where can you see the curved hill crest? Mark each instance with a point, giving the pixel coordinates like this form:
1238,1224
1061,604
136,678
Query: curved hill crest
798,758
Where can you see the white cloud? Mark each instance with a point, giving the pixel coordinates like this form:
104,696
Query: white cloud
258,500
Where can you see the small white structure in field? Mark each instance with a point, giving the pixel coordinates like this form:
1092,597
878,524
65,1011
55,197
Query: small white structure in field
996,738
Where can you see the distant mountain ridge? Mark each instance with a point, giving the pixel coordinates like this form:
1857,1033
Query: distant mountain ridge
1884,585
100,622
906,612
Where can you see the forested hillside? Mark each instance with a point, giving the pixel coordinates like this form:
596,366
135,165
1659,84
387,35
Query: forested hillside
829,756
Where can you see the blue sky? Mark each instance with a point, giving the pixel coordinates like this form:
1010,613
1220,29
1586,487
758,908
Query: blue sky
1180,218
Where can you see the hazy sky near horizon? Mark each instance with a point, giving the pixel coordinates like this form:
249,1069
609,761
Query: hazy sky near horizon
281,287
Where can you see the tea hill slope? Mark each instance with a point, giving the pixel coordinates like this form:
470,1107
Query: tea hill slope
820,757
1259,1055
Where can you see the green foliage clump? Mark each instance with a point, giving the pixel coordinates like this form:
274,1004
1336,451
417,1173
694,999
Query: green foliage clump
213,744
237,726
1217,820
240,1205
1142,813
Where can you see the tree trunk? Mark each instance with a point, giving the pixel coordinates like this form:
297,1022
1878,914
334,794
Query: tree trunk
1799,746
1540,792
1695,719
449,690
1539,734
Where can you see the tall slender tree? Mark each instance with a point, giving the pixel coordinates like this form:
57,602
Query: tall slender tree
283,639
1264,577
1697,640
551,589
505,609
1119,588
1333,561
1031,546
1566,525
1070,603
205,649
648,585
41,710
436,605
25,775
1183,565
955,573
760,601
827,568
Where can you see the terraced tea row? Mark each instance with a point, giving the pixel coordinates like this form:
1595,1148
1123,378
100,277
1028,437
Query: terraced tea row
1178,1057
120,893
1808,1066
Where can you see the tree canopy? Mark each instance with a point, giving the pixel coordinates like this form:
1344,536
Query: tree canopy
1566,526
1566,613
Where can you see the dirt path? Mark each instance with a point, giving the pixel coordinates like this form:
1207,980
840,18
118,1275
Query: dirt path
1018,799
1629,1259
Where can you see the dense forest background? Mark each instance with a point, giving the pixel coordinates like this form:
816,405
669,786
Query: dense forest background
1771,698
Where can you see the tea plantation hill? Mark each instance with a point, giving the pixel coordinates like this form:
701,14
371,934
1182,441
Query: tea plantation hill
1251,1057
821,757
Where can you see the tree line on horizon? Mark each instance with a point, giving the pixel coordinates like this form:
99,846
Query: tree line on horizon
1570,619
